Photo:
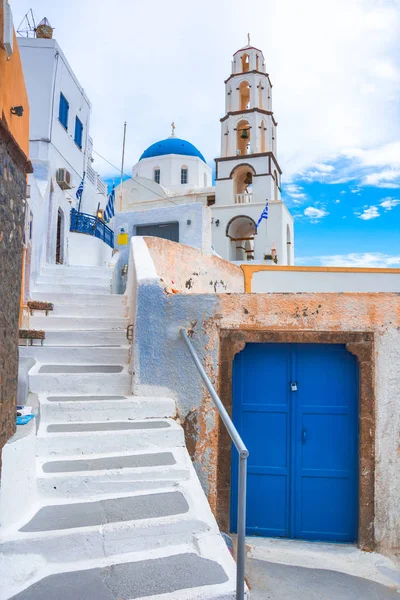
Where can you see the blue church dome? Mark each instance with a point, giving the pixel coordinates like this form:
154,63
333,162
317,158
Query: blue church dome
172,145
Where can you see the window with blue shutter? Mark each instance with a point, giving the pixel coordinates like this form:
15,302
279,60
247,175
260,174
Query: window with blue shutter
63,111
78,132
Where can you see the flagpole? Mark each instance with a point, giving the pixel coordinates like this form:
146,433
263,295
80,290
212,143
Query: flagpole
122,169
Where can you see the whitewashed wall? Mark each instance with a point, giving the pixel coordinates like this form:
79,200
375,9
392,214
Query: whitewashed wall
170,165
275,280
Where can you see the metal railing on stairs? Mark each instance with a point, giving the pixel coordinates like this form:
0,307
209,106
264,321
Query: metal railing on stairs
91,225
243,455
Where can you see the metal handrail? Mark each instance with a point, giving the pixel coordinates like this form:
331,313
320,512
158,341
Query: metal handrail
243,454
91,225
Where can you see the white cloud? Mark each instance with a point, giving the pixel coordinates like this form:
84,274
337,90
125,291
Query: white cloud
295,192
366,259
369,213
345,94
389,203
315,214
336,201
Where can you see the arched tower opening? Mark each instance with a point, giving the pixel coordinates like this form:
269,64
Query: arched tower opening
241,231
243,136
245,58
244,95
243,183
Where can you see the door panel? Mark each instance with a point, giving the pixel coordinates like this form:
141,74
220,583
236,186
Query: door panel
325,477
260,381
303,444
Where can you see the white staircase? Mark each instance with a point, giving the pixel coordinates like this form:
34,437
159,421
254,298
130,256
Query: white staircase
120,512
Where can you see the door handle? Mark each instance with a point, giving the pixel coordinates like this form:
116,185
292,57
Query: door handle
304,436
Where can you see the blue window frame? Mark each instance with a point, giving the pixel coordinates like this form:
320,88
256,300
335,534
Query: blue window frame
63,111
78,132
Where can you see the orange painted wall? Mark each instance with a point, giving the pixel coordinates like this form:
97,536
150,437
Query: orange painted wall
13,92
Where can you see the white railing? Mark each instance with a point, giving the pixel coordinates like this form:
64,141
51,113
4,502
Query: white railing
242,198
101,186
91,174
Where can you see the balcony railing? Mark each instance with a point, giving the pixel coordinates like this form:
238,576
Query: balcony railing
91,225
96,180
242,198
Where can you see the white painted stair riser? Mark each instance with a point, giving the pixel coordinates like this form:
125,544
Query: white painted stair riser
85,383
91,543
76,289
66,299
78,444
64,486
76,355
88,280
59,323
67,411
85,338
87,310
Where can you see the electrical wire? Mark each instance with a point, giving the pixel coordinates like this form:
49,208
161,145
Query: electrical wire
136,181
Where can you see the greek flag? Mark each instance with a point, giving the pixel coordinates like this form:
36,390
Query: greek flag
109,210
264,215
79,191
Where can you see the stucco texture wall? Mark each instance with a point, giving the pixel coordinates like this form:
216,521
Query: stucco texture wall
162,366
183,268
13,92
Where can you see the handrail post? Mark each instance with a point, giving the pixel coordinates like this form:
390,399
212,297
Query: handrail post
241,528
243,454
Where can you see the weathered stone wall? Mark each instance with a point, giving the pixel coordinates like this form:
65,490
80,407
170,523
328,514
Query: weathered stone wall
186,269
12,212
162,366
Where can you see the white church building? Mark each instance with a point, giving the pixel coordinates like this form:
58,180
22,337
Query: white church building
172,175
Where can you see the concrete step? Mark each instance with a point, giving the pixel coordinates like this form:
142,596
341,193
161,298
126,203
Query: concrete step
65,279
60,323
57,409
76,355
45,379
68,299
97,338
119,474
77,272
59,517
88,310
180,576
74,439
72,288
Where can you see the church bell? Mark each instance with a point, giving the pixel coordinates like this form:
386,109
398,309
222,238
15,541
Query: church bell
245,134
248,179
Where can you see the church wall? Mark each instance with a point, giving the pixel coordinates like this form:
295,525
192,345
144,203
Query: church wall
170,171
196,234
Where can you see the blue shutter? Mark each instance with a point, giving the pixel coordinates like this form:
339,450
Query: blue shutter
78,132
63,111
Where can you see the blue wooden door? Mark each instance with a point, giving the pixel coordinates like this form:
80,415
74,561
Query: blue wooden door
296,407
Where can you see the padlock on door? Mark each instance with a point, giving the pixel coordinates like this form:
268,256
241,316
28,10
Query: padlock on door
293,386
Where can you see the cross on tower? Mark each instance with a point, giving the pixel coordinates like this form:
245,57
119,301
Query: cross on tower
172,129
248,39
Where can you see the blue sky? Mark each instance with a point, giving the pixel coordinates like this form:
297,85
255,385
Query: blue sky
335,69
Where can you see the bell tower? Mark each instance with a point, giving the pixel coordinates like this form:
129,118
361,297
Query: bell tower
247,172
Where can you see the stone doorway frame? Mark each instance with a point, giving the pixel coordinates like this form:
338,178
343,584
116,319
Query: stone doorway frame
361,344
